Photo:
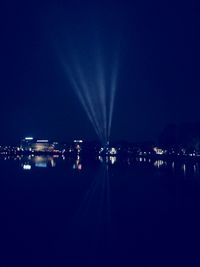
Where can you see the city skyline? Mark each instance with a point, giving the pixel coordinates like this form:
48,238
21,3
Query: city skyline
157,84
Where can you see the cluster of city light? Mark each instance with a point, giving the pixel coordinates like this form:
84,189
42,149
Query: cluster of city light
159,151
108,151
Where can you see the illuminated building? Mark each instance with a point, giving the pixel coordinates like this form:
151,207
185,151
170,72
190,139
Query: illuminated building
32,145
42,146
159,151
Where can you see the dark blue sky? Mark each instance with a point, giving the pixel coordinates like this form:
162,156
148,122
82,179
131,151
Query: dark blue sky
158,80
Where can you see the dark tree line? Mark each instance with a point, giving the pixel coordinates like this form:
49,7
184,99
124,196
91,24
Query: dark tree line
185,135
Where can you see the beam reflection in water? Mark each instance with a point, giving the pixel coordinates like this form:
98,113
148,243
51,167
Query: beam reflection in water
29,162
91,223
101,214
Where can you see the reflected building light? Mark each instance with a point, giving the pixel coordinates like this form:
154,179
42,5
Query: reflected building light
184,168
158,163
26,167
79,167
53,163
41,164
173,165
113,160
40,161
195,168
101,159
140,159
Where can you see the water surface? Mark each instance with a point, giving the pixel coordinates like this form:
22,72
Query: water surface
57,211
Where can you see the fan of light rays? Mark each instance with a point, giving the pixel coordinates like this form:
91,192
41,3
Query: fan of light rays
94,89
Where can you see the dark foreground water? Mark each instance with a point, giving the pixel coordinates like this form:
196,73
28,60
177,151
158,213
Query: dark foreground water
78,212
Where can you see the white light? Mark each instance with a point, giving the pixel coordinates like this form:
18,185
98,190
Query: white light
27,167
158,151
28,138
42,141
113,151
113,160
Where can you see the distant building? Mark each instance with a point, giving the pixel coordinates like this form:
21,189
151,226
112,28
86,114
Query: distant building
159,151
42,146
30,144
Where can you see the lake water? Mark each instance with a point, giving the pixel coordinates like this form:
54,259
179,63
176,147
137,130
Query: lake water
57,211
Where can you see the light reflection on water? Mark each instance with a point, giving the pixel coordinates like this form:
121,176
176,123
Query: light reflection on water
158,163
31,162
91,207
94,211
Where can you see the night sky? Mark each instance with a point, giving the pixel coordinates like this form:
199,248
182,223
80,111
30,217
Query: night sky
158,81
